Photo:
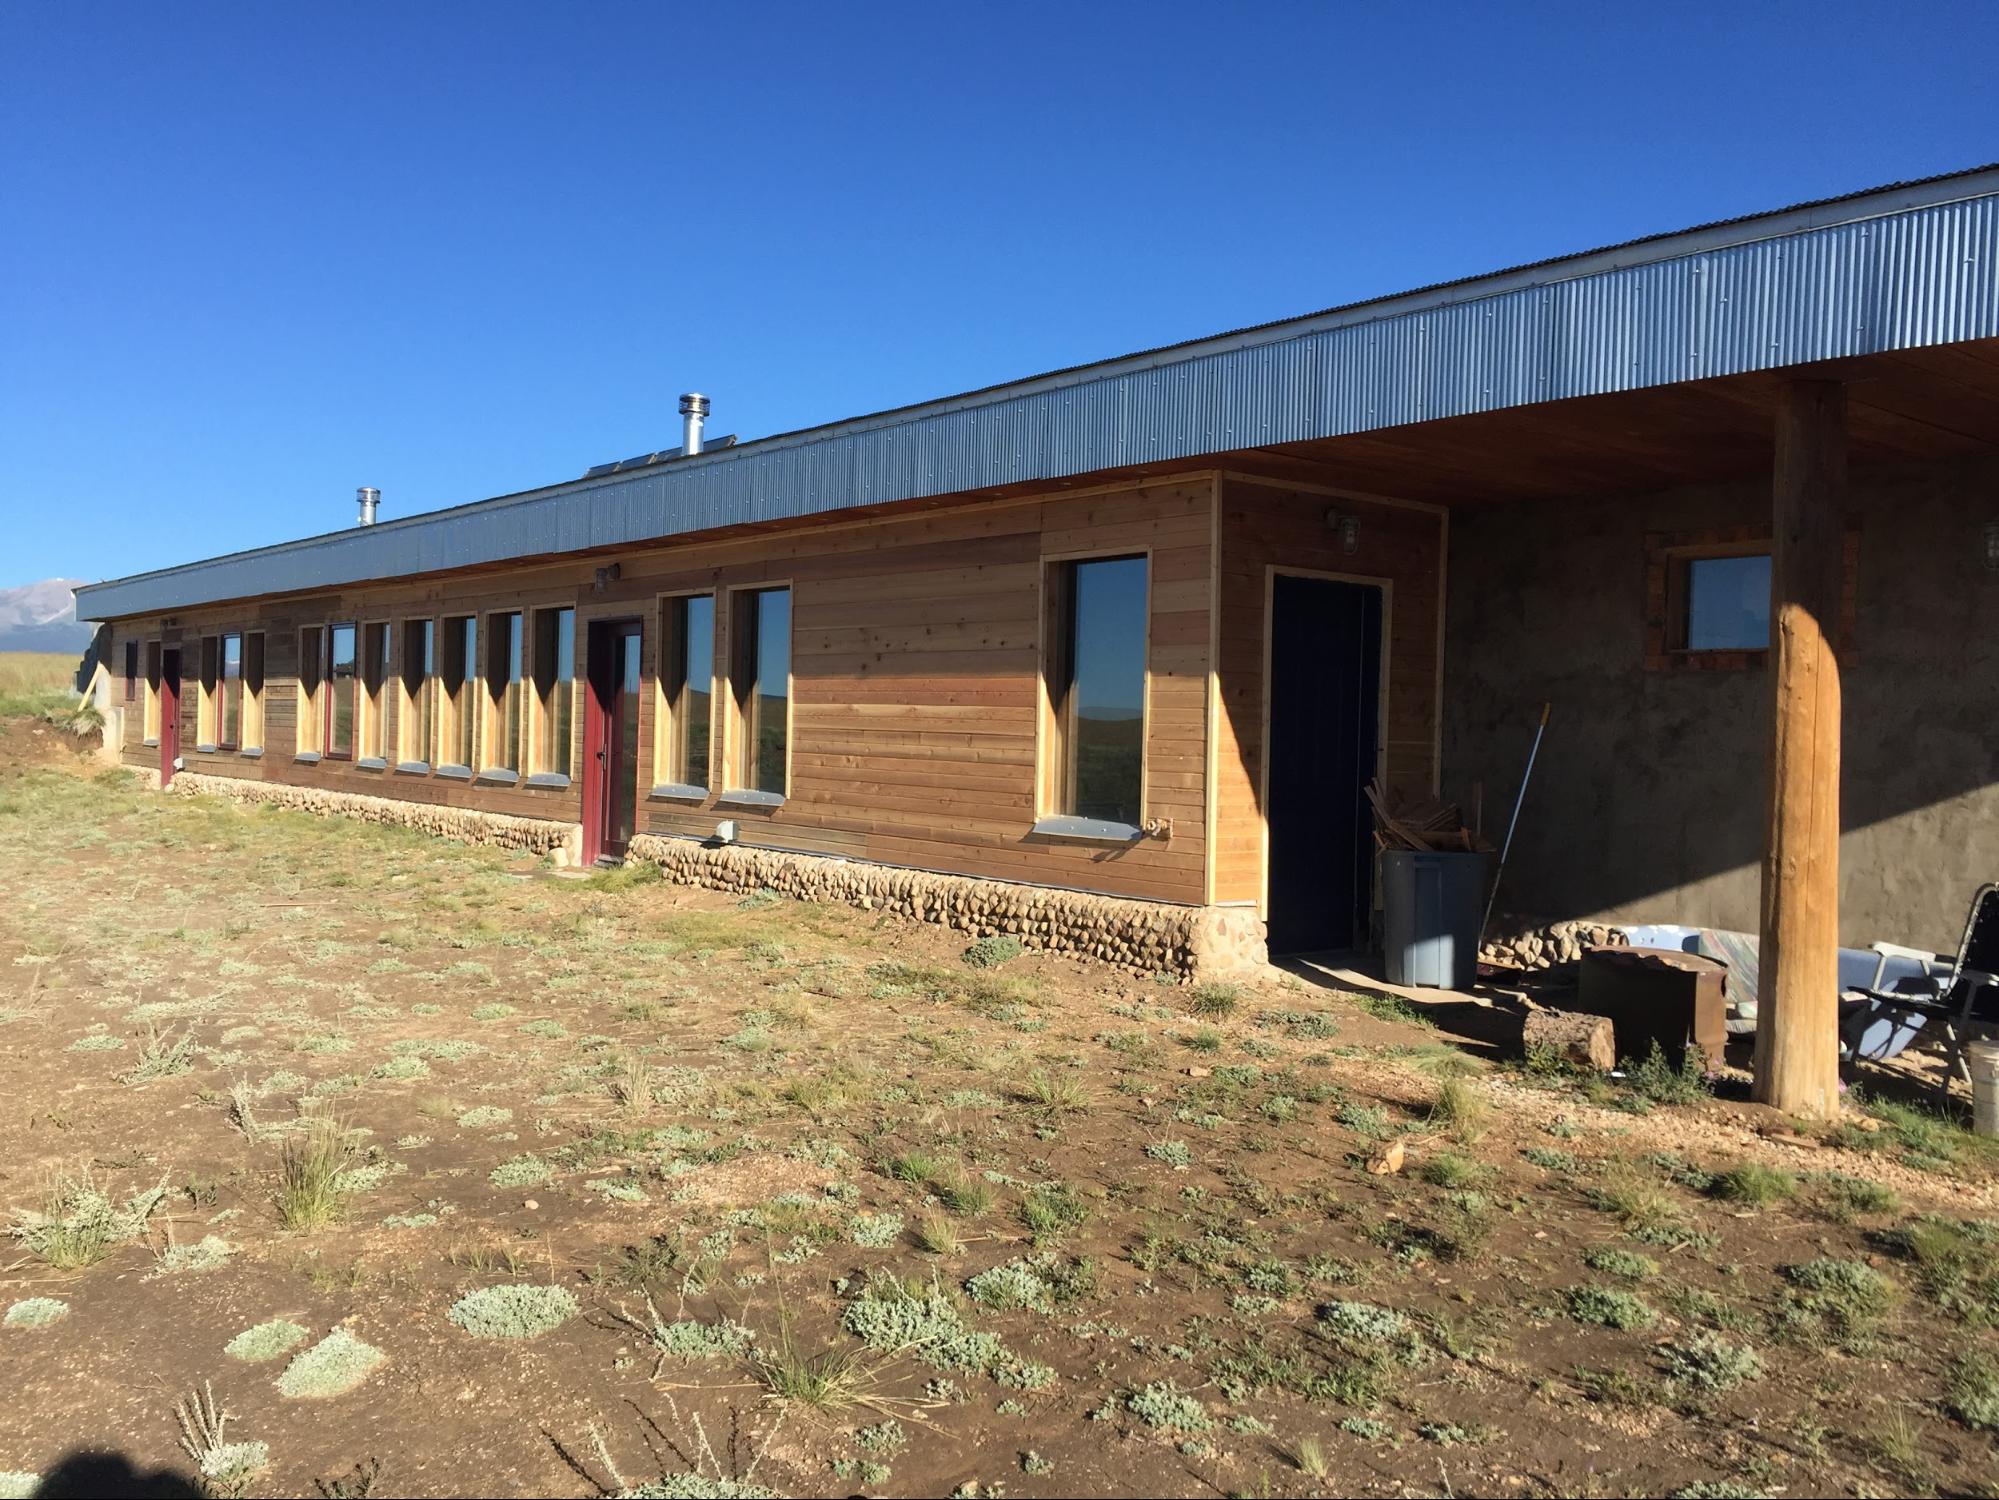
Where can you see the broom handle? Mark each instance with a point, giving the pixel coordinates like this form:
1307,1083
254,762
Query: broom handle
1513,822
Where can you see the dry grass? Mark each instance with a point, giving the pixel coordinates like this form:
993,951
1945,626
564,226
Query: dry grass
36,682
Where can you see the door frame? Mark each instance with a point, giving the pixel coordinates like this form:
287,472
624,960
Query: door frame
597,710
1271,573
171,682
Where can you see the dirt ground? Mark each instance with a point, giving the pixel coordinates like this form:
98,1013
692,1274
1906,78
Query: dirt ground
801,1200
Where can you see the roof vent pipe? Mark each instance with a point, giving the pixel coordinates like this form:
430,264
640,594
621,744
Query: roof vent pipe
693,412
370,499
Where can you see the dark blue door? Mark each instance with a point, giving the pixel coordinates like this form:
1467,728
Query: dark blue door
1325,701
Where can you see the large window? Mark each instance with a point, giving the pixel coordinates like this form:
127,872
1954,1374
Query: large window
554,688
685,720
1724,603
1096,689
760,679
342,689
374,717
418,691
504,696
253,691
208,679
229,697
131,671
457,705
310,720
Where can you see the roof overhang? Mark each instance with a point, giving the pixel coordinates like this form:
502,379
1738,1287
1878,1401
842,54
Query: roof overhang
1898,268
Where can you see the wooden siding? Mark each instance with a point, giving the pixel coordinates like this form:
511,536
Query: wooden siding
1266,525
916,660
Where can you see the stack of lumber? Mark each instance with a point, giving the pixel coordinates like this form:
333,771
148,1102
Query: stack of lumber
1423,823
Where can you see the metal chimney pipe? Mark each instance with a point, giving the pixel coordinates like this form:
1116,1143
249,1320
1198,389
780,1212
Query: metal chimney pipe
370,499
693,412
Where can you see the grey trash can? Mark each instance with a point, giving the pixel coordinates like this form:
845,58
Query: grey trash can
1431,907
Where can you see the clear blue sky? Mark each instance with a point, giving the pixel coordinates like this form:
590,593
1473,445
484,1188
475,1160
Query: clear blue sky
254,256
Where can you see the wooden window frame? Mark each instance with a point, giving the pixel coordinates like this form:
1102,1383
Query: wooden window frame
739,767
207,694
1054,768
155,669
372,670
493,676
1668,557
131,671
456,720
307,726
327,749
223,690
669,760
416,725
547,762
254,668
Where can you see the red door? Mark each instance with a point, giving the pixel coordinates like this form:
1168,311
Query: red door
611,740
169,714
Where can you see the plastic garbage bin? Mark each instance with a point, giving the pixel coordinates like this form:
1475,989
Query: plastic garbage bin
1431,906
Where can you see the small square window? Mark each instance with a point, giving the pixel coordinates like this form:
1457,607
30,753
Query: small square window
1725,603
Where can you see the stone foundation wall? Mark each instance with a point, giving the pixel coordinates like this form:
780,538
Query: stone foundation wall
1189,942
529,835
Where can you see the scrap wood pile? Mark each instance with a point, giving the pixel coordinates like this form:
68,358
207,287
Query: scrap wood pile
1421,823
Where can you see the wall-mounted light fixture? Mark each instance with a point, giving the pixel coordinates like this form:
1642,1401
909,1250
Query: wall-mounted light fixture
1347,526
608,576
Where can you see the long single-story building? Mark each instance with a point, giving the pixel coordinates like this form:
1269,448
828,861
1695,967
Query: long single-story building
1108,655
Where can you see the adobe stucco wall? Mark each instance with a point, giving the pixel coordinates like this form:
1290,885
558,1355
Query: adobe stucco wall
1647,803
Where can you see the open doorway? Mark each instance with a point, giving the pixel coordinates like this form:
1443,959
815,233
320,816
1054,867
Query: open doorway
1323,692
169,714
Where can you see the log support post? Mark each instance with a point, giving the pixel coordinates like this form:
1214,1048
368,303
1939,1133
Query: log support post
1797,1020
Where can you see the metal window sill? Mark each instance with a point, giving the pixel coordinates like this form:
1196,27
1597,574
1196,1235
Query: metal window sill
207,749
151,744
1087,830
307,757
412,768
743,797
499,776
679,791
456,773
372,763
552,779
252,752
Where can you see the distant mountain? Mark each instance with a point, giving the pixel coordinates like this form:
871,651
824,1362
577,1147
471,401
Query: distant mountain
42,617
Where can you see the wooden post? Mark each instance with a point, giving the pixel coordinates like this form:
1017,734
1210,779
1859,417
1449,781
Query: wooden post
1797,1020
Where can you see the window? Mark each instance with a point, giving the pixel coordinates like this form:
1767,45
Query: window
152,692
456,708
342,682
1096,689
374,715
309,721
503,690
229,702
131,671
685,720
760,678
207,703
1725,603
418,692
554,687
253,691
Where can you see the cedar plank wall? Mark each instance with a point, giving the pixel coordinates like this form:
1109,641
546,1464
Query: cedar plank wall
1262,524
915,682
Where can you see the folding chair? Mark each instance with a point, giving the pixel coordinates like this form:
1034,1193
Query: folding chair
1955,984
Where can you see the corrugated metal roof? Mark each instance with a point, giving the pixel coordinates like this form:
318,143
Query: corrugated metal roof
1893,268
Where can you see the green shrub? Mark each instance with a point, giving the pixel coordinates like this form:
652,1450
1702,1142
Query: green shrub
266,1341
1708,1363
1973,1395
514,1312
1606,1307
311,1164
1214,999
1755,1185
1164,1404
35,1312
1015,1287
332,1367
1626,1263
991,952
78,1225
521,1171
